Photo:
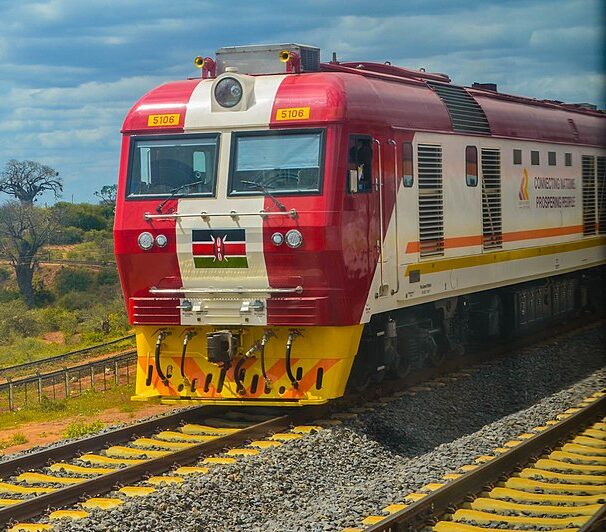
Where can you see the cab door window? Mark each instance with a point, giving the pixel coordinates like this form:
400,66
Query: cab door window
359,164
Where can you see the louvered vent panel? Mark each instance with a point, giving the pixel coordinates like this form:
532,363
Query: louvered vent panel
589,210
601,179
431,210
465,113
492,235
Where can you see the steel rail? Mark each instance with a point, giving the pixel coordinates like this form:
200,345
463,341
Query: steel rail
70,450
597,521
455,492
106,482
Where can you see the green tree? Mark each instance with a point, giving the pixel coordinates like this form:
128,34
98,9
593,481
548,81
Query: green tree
107,194
24,229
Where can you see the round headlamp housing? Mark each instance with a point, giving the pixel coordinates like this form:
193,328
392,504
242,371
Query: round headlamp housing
277,239
161,241
145,240
294,238
228,92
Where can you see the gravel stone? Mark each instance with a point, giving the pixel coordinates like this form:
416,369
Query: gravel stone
334,478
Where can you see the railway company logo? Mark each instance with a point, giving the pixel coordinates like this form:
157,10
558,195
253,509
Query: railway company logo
523,198
219,248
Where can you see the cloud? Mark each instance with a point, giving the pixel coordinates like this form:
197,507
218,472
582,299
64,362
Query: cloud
70,70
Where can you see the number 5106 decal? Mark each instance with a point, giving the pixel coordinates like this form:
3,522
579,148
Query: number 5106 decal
293,113
163,120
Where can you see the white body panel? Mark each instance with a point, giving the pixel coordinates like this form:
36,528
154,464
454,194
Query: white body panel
525,225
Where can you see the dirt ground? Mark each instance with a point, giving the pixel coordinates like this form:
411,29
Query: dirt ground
42,433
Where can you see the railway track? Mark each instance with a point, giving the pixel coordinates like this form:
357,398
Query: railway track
63,476
553,478
144,453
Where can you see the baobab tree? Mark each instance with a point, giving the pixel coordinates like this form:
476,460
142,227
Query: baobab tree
26,180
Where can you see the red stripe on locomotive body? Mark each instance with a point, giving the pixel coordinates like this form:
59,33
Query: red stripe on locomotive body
141,270
171,98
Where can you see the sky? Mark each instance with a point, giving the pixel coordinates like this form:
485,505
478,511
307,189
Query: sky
71,69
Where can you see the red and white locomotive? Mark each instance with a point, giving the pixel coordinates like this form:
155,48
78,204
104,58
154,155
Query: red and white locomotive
284,226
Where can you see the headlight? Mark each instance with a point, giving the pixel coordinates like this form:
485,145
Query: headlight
228,92
145,240
277,239
294,238
161,241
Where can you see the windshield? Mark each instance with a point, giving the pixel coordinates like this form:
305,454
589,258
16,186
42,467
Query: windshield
287,163
160,166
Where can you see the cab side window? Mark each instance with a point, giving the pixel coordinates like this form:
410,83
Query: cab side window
359,164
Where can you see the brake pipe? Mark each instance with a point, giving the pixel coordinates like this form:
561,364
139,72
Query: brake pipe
239,386
161,336
268,334
291,336
188,336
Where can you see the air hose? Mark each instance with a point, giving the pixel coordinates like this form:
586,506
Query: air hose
188,336
161,336
292,378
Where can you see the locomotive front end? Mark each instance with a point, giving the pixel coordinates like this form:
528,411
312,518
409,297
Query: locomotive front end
227,235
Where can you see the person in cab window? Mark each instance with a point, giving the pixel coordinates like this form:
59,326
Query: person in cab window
360,161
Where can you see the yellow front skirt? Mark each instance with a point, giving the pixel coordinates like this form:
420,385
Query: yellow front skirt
321,361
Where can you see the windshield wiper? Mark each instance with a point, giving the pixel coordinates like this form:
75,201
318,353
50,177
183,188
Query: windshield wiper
266,192
174,192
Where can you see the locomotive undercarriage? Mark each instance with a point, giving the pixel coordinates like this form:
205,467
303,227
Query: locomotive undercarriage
311,365
425,335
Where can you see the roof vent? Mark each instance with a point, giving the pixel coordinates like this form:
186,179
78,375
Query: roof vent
465,113
265,58
485,86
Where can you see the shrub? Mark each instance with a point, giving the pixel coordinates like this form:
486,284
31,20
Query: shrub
66,236
73,280
5,274
9,295
49,405
16,439
75,300
77,429
58,319
105,277
15,318
82,215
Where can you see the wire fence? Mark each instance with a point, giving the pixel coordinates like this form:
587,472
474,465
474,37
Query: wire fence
17,369
98,375
49,258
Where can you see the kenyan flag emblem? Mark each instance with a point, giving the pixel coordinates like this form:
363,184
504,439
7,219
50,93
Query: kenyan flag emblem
219,248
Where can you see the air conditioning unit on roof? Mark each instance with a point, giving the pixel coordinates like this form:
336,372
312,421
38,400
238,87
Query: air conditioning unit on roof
265,58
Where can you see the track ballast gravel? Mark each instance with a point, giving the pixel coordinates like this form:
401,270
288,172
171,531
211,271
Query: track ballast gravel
336,477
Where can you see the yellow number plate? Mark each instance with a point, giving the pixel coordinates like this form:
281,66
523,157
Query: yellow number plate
293,113
163,120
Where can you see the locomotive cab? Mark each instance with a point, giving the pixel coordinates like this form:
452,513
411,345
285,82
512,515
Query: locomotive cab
229,240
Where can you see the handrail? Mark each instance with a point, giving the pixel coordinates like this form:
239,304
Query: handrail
381,232
239,290
207,215
395,212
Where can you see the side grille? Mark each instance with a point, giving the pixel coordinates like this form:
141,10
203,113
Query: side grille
431,201
601,178
589,210
465,113
492,235
154,311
